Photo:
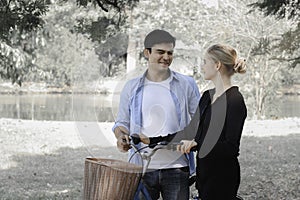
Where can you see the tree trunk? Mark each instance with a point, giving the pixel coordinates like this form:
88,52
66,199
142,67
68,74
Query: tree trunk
131,49
131,55
18,107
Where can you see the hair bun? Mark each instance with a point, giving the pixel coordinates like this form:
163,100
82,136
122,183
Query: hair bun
240,66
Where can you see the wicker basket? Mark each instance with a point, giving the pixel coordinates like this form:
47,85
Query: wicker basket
110,179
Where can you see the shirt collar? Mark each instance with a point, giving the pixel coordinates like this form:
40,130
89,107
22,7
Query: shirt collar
173,75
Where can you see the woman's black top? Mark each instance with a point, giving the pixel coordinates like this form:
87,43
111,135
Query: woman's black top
221,124
216,126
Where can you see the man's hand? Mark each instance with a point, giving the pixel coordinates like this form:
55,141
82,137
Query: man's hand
122,135
186,146
144,138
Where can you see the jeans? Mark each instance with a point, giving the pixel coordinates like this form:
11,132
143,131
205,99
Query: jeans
172,184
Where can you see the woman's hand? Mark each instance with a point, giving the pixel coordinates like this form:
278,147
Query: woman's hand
186,146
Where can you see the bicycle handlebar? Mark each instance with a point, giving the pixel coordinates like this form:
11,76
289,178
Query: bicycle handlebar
135,138
162,145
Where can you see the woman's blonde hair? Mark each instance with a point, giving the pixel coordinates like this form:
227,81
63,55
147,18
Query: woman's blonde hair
227,56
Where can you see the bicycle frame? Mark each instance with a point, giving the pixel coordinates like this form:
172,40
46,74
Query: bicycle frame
146,156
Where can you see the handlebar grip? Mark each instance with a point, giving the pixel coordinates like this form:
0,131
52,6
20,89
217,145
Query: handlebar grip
135,138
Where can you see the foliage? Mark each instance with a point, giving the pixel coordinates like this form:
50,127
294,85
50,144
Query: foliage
12,62
108,23
66,57
254,35
23,15
290,41
282,9
74,38
18,20
290,77
107,5
65,62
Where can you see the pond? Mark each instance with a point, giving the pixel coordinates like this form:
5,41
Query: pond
88,107
57,107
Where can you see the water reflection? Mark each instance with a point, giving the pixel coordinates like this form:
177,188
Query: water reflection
57,107
68,107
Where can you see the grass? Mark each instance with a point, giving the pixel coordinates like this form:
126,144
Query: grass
269,167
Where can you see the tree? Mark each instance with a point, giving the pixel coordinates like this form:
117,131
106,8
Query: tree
18,21
231,23
111,21
290,42
107,5
283,8
65,62
66,56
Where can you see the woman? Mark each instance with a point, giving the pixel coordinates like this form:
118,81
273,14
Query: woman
216,128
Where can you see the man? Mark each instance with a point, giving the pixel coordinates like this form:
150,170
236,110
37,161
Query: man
157,103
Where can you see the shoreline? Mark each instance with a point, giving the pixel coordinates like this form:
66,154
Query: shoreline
106,87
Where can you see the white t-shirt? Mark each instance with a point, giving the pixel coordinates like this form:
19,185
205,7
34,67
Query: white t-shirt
159,119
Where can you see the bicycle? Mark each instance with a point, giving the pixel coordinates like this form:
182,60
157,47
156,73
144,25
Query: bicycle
104,174
115,179
146,156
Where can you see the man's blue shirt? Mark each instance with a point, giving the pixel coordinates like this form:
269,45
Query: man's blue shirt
184,92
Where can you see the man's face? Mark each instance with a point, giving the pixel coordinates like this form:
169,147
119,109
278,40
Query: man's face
161,56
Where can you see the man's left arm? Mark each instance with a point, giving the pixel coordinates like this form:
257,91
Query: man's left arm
193,97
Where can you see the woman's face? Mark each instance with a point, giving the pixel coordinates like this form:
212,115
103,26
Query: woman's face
209,68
